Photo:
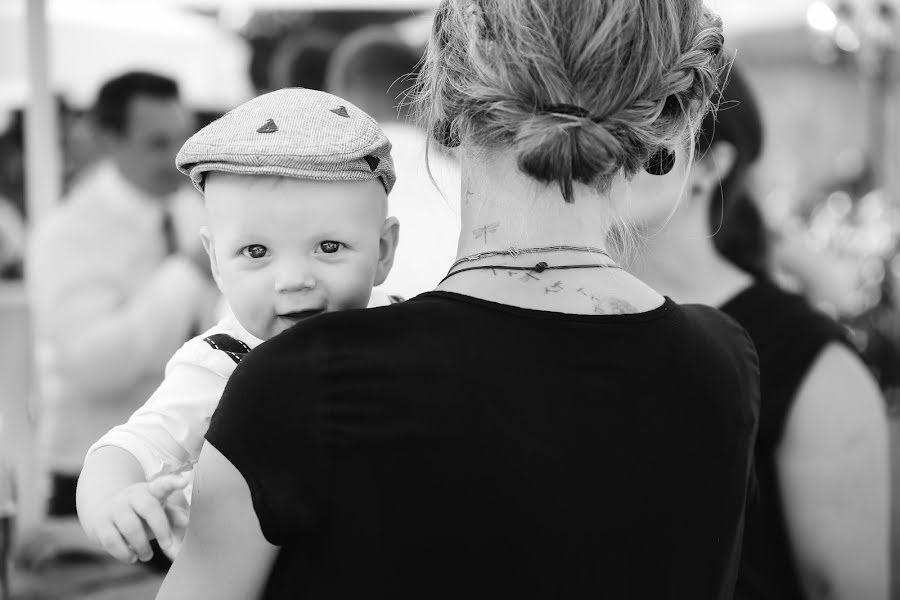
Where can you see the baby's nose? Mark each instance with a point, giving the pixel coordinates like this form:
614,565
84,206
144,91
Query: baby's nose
295,275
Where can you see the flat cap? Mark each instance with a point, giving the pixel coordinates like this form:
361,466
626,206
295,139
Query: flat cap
293,132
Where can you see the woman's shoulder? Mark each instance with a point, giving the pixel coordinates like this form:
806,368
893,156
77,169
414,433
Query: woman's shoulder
712,328
718,339
791,337
374,328
784,322
719,356
397,328
765,300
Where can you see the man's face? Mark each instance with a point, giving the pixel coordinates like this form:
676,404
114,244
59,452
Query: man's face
155,129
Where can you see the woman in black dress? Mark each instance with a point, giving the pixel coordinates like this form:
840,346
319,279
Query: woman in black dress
543,425
819,526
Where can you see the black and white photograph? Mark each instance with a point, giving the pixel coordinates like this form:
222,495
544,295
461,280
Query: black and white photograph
450,299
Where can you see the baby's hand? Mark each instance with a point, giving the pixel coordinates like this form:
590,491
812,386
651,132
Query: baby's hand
178,512
125,524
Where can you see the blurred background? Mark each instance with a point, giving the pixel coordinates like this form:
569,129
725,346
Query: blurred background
827,75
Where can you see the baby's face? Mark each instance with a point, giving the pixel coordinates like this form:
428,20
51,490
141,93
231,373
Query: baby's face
285,249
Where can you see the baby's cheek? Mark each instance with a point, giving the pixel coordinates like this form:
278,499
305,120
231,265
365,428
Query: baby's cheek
361,295
251,305
360,287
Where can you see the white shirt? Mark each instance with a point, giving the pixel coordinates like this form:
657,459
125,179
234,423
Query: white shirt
429,216
166,434
109,307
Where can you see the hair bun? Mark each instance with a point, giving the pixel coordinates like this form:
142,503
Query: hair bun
649,68
558,147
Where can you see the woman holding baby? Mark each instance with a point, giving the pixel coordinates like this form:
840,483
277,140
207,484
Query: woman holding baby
543,424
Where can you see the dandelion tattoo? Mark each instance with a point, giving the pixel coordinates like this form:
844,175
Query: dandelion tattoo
554,289
613,306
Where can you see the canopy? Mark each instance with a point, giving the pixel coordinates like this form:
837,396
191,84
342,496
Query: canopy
91,41
331,5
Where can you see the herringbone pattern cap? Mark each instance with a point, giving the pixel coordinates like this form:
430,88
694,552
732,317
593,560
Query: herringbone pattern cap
294,132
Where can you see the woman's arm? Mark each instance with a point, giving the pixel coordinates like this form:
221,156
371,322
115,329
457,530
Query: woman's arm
833,469
225,554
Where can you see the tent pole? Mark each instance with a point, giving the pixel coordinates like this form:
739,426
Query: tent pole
43,173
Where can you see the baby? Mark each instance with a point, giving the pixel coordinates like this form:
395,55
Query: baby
296,185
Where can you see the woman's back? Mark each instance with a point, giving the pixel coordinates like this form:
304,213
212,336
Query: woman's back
451,447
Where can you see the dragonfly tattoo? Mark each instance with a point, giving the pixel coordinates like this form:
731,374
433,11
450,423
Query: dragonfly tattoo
485,231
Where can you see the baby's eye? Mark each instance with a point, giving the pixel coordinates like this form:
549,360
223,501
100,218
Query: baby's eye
255,251
330,247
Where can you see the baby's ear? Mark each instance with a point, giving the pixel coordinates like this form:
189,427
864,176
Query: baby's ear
206,238
387,246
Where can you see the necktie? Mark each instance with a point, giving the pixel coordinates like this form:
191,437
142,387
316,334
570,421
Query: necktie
168,232
172,246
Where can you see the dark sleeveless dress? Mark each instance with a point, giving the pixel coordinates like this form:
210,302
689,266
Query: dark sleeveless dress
789,335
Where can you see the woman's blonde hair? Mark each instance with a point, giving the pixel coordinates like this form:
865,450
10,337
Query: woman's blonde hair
581,89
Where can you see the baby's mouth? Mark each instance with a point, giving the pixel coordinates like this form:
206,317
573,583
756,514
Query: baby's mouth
301,315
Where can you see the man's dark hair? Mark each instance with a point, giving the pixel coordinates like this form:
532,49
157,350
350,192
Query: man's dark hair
110,111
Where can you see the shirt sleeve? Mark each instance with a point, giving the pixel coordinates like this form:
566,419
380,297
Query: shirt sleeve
166,433
271,424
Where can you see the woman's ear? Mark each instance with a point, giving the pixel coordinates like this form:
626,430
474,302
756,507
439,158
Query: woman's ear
387,246
712,168
206,238
720,159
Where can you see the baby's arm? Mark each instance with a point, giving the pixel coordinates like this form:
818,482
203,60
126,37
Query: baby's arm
129,473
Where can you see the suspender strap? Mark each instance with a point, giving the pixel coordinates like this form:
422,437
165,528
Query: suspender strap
234,348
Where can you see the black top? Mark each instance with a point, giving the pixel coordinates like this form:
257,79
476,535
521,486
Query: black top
789,336
451,447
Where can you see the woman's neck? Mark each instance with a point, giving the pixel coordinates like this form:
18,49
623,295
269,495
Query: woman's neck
501,208
681,261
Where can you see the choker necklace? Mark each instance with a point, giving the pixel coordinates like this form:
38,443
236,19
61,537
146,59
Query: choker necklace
515,252
538,268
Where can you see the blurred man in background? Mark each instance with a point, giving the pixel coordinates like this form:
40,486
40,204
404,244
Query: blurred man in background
374,69
117,279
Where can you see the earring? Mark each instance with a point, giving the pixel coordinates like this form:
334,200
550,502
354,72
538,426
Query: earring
660,162
443,133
